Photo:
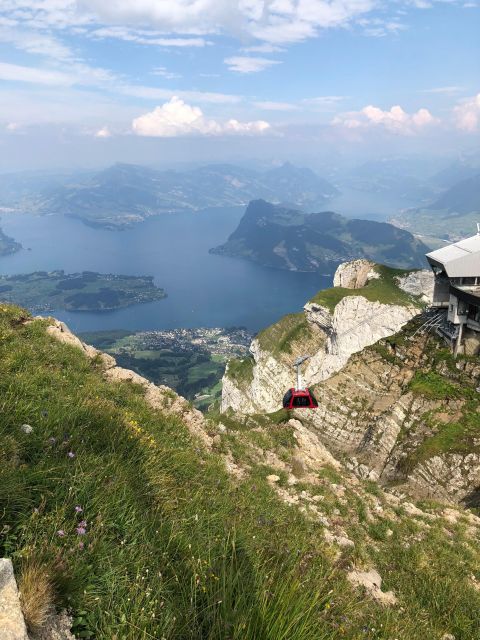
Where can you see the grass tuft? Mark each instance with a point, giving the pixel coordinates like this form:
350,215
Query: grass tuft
36,594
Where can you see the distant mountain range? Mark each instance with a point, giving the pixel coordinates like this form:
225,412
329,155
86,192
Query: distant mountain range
124,193
452,216
284,238
462,197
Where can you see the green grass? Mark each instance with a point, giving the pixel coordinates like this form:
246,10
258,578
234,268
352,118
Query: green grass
433,385
286,333
173,547
241,370
383,289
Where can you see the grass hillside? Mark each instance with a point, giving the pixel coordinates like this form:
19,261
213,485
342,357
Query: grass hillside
383,289
141,533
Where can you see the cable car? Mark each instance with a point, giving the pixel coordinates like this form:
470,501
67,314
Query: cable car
300,397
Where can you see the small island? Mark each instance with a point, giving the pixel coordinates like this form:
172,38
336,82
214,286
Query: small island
44,291
8,245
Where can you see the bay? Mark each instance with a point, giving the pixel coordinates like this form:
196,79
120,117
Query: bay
204,290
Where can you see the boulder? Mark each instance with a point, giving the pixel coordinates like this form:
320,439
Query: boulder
12,624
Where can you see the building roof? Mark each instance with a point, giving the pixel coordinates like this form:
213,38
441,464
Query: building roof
460,259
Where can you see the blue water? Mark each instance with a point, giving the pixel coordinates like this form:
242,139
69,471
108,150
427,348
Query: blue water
203,290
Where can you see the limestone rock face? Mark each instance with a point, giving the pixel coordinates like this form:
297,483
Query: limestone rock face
354,274
418,283
446,477
12,624
355,323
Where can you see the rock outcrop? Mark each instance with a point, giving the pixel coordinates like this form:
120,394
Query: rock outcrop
12,624
354,274
418,283
331,337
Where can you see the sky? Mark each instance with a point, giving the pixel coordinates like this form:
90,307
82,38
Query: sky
90,82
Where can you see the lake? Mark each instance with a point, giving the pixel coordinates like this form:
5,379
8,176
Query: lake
204,290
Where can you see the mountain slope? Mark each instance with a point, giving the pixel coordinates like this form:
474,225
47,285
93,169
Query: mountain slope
463,197
152,521
289,239
453,216
391,398
125,193
8,245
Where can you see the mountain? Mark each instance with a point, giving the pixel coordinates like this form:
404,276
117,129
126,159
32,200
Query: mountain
8,245
455,172
284,238
462,197
21,187
124,194
385,387
452,216
135,516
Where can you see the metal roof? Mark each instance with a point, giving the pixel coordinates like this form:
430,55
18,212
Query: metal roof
460,259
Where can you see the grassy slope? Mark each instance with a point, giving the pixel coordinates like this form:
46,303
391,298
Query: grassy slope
173,548
383,289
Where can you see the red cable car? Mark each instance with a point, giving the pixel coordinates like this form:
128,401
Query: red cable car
301,397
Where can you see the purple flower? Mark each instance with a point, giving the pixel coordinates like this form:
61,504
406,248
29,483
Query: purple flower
78,509
81,545
81,531
61,533
70,454
83,524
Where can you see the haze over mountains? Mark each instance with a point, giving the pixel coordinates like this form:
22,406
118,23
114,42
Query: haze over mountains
124,194
284,238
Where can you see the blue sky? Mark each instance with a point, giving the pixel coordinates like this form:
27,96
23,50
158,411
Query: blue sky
253,75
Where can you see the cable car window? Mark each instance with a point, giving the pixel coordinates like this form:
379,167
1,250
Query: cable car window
301,401
314,400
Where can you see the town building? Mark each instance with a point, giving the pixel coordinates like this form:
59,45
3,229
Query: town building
457,293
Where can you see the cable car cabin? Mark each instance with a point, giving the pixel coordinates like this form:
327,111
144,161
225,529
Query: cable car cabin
299,399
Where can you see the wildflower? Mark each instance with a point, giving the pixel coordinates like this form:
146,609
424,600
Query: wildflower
78,509
71,455
61,533
83,524
81,531
81,545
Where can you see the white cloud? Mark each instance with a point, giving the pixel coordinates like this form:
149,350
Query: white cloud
443,90
467,114
247,64
104,132
156,93
165,73
395,120
19,73
276,106
324,103
146,37
176,118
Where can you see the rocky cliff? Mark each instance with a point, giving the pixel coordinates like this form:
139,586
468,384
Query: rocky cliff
371,304
391,397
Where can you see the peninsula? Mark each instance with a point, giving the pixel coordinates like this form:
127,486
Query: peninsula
43,291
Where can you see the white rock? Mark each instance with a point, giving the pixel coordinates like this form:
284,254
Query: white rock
354,274
273,478
372,582
418,283
12,624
